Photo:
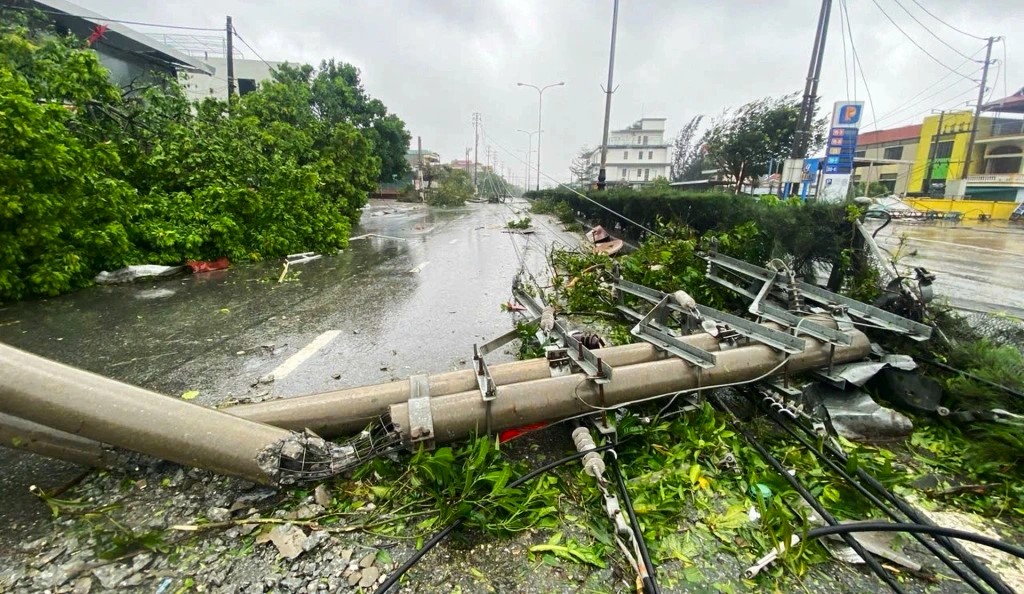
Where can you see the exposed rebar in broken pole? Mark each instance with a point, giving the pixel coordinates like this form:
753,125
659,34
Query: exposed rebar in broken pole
91,406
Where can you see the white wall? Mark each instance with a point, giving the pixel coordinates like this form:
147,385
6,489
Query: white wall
200,86
635,155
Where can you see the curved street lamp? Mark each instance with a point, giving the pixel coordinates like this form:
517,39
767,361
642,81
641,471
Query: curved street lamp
540,104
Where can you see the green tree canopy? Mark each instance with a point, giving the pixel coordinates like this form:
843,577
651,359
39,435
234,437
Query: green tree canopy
92,178
742,142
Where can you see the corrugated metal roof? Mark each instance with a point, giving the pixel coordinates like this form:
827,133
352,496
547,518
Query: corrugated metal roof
890,135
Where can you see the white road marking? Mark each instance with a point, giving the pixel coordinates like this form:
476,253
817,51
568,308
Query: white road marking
306,352
963,245
453,241
420,267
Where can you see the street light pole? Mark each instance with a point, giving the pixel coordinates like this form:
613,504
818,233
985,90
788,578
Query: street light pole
529,154
540,105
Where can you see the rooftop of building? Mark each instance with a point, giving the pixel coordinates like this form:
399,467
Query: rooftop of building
891,135
117,36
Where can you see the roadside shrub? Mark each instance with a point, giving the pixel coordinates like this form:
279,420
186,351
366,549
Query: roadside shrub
94,178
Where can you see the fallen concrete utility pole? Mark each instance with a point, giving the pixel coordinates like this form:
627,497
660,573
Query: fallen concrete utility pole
20,434
97,408
329,414
344,412
458,416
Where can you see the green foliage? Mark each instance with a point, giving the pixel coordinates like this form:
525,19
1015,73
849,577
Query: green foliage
804,233
453,187
493,186
63,210
91,179
523,223
743,142
434,488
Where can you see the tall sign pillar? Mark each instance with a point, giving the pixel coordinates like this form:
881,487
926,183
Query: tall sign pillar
840,150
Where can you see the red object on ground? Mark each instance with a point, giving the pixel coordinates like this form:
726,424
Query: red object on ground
208,265
510,434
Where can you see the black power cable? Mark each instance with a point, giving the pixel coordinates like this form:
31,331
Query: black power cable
651,581
932,548
915,515
983,540
868,558
437,538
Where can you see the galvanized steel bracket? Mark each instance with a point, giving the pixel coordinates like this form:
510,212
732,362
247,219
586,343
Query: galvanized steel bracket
421,421
488,389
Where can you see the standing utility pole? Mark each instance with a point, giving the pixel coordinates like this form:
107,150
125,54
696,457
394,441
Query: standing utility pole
540,105
977,108
231,60
803,133
601,173
419,151
927,188
476,144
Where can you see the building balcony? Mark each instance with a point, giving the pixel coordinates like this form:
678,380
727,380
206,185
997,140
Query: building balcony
1003,180
1001,129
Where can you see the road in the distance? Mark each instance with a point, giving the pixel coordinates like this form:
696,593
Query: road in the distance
978,266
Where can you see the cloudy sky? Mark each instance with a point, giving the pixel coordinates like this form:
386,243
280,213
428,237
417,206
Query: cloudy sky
435,62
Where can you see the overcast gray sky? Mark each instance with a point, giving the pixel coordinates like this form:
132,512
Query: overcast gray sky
435,62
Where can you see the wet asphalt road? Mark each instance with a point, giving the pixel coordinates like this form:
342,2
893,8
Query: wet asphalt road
385,308
978,266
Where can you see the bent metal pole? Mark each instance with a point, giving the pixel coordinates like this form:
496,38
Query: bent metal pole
458,416
97,408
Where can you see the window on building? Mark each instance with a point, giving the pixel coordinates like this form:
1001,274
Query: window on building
625,155
647,175
944,150
650,154
640,155
639,172
645,140
860,154
625,173
893,152
246,85
888,180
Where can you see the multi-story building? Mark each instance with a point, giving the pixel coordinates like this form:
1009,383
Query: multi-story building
940,152
887,157
637,155
997,171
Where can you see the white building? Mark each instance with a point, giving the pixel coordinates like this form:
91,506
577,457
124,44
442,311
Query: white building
637,155
248,75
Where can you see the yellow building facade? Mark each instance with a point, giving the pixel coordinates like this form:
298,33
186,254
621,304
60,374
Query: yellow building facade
941,153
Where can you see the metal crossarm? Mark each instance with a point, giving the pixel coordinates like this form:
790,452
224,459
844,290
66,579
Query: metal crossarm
782,282
488,389
781,341
647,331
596,369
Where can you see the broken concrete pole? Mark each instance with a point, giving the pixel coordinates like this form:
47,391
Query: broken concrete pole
458,416
94,407
344,412
20,434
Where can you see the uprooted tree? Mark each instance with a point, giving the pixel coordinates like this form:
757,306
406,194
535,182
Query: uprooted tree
95,177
